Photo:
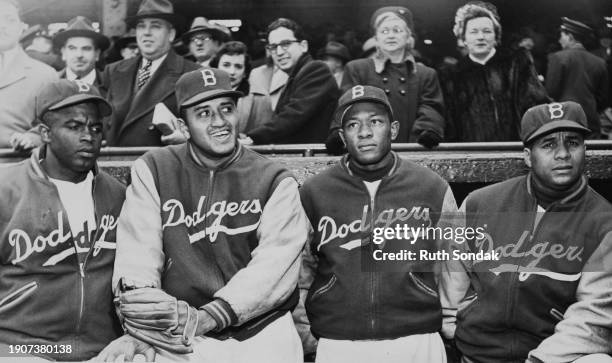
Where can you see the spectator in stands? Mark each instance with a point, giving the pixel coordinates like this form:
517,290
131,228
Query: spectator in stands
267,83
136,85
127,45
488,90
335,55
81,46
306,105
233,58
38,45
574,74
412,87
205,39
20,78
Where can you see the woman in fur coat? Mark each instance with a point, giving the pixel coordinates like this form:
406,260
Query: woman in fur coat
488,90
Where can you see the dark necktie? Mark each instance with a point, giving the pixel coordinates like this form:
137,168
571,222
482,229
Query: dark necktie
144,73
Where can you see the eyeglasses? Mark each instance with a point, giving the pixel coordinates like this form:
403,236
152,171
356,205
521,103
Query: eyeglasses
394,30
202,38
285,44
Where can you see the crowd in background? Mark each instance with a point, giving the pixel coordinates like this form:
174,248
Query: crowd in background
477,94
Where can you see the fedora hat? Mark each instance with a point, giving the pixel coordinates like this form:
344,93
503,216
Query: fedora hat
159,9
336,49
127,38
80,26
218,32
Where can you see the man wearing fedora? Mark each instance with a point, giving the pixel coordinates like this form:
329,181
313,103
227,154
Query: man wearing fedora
546,297
204,40
81,46
335,55
135,86
207,260
20,78
575,74
58,219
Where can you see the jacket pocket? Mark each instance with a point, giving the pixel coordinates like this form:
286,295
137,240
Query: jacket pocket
16,297
325,288
556,314
423,286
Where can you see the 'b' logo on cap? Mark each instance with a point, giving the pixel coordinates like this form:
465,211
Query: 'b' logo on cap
209,77
555,110
83,87
358,91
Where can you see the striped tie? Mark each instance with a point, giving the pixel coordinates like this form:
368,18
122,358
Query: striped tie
144,74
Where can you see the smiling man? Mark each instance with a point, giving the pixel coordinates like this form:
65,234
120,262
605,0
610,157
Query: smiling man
305,107
58,219
361,309
218,231
81,46
136,85
549,293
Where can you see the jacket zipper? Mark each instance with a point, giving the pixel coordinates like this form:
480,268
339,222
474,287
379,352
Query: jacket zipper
372,273
209,191
513,285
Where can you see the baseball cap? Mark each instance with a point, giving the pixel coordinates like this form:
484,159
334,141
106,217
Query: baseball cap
546,118
64,93
400,11
360,93
203,84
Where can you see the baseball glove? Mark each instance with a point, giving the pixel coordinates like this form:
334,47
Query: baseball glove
153,316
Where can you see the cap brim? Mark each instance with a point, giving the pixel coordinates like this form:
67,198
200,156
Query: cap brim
204,96
104,107
101,41
557,125
341,110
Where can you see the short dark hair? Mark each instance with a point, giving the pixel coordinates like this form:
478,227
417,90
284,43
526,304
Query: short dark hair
298,32
233,48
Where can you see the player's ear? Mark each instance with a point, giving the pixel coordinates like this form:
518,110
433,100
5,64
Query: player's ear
527,156
44,133
183,128
395,126
342,137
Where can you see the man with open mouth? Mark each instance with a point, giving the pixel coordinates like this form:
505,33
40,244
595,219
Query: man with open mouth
218,231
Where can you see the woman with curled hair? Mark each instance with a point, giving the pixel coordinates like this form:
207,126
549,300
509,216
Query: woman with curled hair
488,90
233,58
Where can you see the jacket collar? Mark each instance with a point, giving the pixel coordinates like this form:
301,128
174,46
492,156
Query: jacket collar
237,153
380,61
396,161
39,155
577,194
304,58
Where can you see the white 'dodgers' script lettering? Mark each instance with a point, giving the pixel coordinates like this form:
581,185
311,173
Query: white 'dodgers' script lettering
177,216
24,246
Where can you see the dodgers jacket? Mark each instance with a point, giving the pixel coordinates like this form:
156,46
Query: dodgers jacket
548,296
351,295
226,239
46,297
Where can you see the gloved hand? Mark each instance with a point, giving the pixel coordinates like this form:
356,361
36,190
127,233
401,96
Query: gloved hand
429,139
155,317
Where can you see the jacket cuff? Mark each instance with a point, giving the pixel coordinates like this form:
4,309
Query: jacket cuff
222,313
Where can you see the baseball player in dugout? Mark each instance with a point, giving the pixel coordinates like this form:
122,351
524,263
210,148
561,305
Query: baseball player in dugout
546,297
58,218
363,305
209,243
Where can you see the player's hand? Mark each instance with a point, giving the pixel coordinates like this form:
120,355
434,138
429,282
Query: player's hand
429,139
244,139
176,137
129,347
24,141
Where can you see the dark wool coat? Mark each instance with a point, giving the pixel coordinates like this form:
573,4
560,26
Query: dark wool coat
579,76
130,123
486,102
413,91
305,107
